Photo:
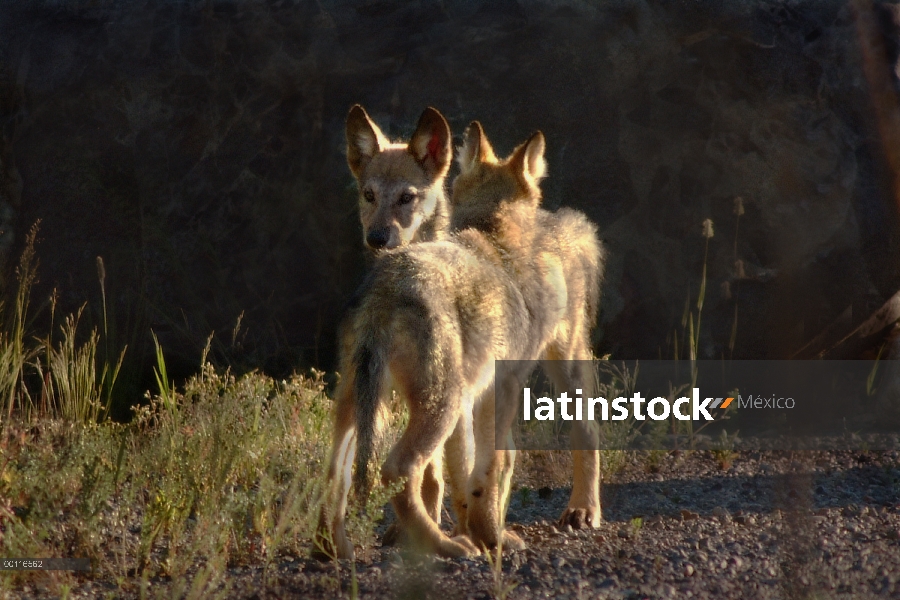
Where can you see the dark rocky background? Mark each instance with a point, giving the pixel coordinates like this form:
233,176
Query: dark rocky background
198,147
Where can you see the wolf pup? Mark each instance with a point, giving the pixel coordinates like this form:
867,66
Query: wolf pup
566,239
432,318
402,199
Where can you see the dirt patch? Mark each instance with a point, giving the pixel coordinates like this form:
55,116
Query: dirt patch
773,525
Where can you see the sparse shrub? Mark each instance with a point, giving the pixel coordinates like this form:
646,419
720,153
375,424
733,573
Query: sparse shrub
233,475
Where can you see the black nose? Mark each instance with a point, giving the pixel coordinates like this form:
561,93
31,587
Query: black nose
378,238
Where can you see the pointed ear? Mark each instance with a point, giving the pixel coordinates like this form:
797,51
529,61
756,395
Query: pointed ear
430,144
475,149
528,159
364,140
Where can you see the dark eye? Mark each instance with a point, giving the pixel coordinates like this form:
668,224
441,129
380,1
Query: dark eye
369,195
405,198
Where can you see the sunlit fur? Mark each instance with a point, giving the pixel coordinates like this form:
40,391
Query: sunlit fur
433,317
401,185
565,243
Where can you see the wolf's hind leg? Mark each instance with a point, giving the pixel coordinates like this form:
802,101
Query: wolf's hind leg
433,487
433,416
331,536
432,496
491,479
459,454
584,503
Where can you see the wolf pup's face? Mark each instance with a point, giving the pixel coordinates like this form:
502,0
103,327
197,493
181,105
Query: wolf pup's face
484,181
400,185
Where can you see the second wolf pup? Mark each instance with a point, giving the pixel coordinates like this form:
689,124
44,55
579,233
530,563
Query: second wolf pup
567,241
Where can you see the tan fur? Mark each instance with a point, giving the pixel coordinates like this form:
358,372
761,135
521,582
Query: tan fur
558,257
567,245
384,172
433,317
388,170
401,185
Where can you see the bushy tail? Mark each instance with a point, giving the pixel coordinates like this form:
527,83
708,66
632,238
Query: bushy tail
369,365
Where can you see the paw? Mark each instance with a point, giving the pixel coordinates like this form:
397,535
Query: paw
512,541
458,547
580,518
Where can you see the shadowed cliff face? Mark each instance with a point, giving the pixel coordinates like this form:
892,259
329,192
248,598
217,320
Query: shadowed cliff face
199,148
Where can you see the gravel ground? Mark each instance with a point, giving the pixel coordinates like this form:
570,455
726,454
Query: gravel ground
805,524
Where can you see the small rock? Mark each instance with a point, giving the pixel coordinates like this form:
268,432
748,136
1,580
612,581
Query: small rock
688,570
892,534
721,514
666,591
545,493
624,533
687,515
568,528
655,520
